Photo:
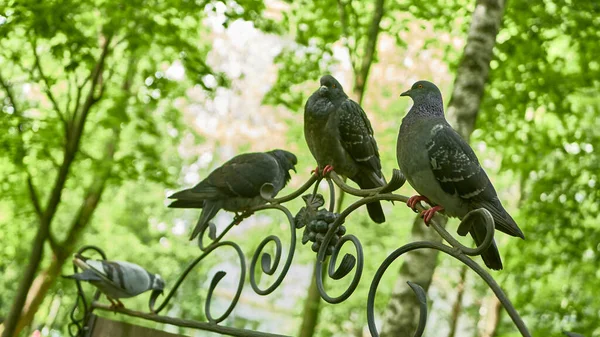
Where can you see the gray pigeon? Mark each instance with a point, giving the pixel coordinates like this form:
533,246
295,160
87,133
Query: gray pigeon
441,166
340,137
117,279
235,186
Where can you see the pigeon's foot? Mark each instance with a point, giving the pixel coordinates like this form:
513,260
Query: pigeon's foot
414,200
239,217
316,170
115,303
428,214
327,169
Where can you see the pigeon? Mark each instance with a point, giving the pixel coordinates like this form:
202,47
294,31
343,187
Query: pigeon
340,137
235,186
441,166
117,279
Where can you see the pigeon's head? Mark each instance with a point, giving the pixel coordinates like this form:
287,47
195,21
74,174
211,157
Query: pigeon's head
158,283
423,91
286,160
331,88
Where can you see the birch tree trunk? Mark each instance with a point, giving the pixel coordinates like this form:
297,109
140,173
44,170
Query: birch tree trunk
402,312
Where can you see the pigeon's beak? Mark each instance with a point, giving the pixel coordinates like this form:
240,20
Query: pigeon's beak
153,297
406,93
323,90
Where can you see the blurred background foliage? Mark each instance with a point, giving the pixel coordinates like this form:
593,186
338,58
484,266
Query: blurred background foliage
165,91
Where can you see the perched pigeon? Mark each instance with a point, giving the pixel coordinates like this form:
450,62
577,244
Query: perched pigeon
117,279
340,137
235,186
440,165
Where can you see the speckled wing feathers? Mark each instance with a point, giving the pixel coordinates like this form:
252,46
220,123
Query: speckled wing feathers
457,170
357,138
454,163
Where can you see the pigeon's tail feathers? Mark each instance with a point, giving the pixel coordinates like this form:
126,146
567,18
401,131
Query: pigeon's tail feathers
376,212
180,203
209,210
86,275
502,220
367,181
491,256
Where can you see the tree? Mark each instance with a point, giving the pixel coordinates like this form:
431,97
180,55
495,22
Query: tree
463,108
543,97
71,132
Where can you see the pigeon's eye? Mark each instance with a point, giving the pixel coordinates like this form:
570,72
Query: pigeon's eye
420,86
334,85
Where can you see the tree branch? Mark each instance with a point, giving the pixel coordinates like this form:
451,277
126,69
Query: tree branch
71,148
33,195
92,197
45,279
346,34
369,52
47,86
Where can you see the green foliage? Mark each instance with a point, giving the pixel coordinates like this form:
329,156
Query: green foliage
541,115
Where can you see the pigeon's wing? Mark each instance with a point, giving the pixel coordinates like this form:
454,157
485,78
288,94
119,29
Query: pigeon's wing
127,276
96,268
356,135
454,163
457,170
242,176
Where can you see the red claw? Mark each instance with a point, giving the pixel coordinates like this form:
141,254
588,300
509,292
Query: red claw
327,169
414,200
316,170
428,214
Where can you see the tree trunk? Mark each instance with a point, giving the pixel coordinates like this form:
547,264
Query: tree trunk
361,76
47,277
44,281
73,138
457,307
471,76
312,306
402,314
492,316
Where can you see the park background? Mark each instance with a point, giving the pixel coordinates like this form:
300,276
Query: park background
108,107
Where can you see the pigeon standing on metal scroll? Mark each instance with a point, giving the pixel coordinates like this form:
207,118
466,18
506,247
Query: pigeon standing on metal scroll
117,279
235,186
441,166
340,137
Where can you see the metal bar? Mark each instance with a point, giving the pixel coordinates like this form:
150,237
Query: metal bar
187,323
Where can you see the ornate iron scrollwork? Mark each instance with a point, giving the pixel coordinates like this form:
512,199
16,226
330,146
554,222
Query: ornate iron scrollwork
327,232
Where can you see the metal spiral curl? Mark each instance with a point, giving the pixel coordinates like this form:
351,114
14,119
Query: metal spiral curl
459,252
268,264
349,262
77,325
218,276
